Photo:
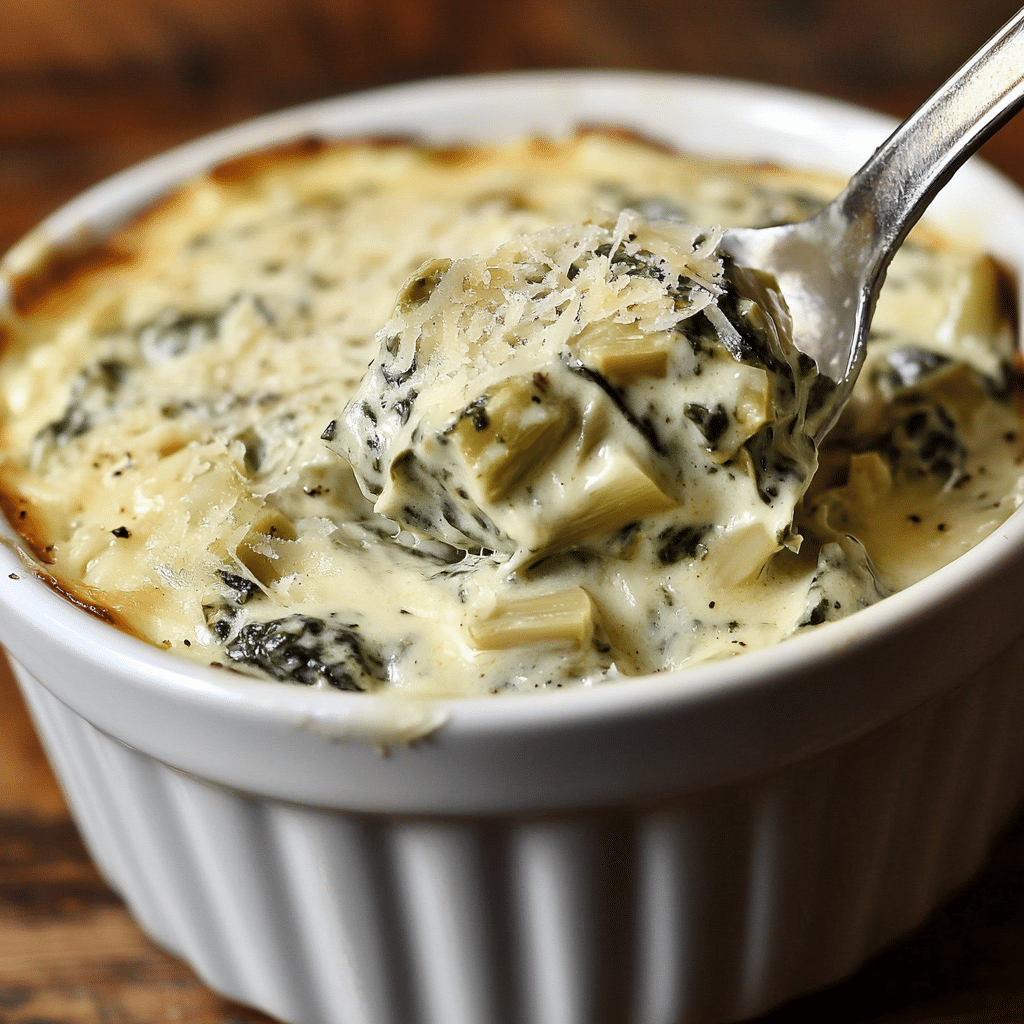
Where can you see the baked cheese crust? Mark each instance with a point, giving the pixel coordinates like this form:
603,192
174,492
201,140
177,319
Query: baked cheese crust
185,428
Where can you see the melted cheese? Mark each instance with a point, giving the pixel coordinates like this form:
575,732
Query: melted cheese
186,440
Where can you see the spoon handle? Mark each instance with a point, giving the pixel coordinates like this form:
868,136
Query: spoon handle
888,194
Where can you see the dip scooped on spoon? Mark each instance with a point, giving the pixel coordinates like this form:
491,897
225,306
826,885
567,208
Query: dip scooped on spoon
830,268
556,392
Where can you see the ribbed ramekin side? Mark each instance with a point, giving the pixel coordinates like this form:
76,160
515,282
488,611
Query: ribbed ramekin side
129,810
71,750
702,908
947,777
961,781
339,892
752,894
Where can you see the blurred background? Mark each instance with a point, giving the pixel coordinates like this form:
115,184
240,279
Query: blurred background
90,86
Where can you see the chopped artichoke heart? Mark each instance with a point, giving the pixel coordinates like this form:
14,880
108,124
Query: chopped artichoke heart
967,304
256,549
623,351
507,435
743,553
619,493
752,408
565,617
761,304
754,315
975,299
420,286
869,479
753,398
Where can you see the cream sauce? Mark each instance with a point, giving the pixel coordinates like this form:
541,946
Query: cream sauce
172,424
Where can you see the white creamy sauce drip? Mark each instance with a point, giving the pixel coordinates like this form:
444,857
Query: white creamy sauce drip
555,472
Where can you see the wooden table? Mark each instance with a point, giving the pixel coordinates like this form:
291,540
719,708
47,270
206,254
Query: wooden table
89,87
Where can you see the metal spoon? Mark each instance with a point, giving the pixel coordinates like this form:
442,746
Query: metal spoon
831,267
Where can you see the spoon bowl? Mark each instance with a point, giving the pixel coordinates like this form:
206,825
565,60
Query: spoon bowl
830,267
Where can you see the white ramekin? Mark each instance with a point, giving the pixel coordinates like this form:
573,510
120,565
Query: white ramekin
691,847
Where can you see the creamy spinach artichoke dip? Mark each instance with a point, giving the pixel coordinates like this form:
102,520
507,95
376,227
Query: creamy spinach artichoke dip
471,420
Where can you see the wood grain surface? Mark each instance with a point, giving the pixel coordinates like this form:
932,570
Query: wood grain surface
90,86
